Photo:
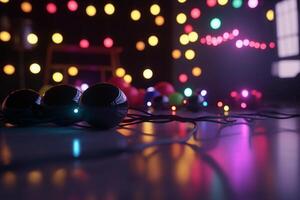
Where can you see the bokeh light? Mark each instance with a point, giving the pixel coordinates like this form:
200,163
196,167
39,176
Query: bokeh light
135,15
176,54
109,9
211,3
203,93
26,7
159,20
35,68
235,32
73,71
84,86
4,1
220,104
72,5
222,2
140,45
155,9
108,42
32,38
120,72
215,23
195,13
243,105
188,92
127,78
189,54
57,77
188,28
239,44
147,73
252,3
9,69
153,40
57,38
193,36
183,78
226,108
181,18
237,3
196,71
5,36
84,43
184,39
91,10
181,1
51,8
272,45
245,93
270,15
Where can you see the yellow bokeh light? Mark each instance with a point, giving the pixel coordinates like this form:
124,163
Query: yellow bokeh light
189,54
193,36
72,70
270,15
226,108
155,9
176,53
120,72
109,9
4,1
140,45
57,77
147,73
222,2
35,177
57,38
181,1
181,18
35,68
9,69
91,10
135,15
127,78
159,20
184,39
26,7
196,71
5,36
32,38
153,40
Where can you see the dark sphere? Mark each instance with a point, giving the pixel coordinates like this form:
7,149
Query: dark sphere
160,102
103,106
194,103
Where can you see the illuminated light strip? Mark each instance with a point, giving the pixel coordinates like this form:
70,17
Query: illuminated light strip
219,39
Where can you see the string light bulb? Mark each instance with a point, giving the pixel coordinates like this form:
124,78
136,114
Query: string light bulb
9,69
109,9
135,15
73,71
32,38
35,68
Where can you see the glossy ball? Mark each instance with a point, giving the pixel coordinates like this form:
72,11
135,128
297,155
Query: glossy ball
118,82
160,102
194,103
176,99
103,106
165,88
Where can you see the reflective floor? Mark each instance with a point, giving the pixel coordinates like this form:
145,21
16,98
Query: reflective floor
260,160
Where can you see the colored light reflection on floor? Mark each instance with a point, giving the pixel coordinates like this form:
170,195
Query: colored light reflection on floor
76,148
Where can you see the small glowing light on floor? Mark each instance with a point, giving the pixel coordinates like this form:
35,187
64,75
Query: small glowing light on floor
127,78
181,18
73,71
76,148
183,78
205,103
237,3
220,104
188,92
84,87
5,36
245,93
243,105
215,23
32,38
9,69
252,3
235,32
140,45
109,9
35,68
226,108
26,7
196,71
84,43
159,20
91,10
211,3
193,36
57,77
155,9
190,54
176,54
149,104
120,72
222,2
173,108
184,39
147,73
135,15
153,40
72,5
203,93
76,110
239,44
195,13
51,8
108,42
270,15
57,38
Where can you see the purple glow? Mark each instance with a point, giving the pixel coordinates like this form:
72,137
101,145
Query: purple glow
245,93
253,3
84,86
239,44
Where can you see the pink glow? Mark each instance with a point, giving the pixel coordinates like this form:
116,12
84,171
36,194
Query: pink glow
245,93
72,5
239,44
243,105
84,43
183,78
263,46
233,94
272,45
188,28
51,8
226,35
108,42
257,45
195,13
246,42
202,40
235,32
211,3
252,44
252,3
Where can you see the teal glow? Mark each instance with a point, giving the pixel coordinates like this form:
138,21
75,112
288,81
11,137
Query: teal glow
76,110
76,148
237,3
215,23
205,104
188,92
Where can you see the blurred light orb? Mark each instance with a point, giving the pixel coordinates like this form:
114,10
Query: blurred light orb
195,13
155,9
72,5
220,104
270,15
35,68
211,3
84,86
239,44
176,54
140,45
246,42
193,36
245,93
181,1
181,18
222,2
263,46
57,77
215,23
183,78
237,3
108,42
9,69
135,15
196,71
120,72
26,7
205,103
91,10
127,78
272,45
188,28
5,36
148,73
51,8
243,105
4,1
57,38
72,70
252,3
188,92
84,43
226,108
159,20
235,32
189,54
153,40
109,9
203,93
32,38
184,39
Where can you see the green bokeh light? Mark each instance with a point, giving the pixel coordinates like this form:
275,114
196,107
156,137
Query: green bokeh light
215,23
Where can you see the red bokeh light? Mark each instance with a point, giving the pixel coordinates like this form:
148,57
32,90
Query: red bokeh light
246,42
183,78
233,94
257,45
263,46
243,105
220,104
51,8
188,28
72,5
84,43
211,3
272,45
195,13
202,40
235,32
108,42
